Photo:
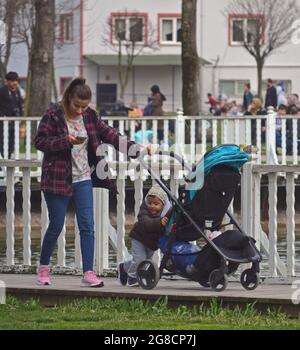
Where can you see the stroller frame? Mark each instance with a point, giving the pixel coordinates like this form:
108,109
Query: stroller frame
148,274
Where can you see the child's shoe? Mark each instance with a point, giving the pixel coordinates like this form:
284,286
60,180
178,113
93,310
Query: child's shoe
132,282
90,279
43,278
122,274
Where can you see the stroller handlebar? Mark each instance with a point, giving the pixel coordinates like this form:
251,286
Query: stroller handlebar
171,154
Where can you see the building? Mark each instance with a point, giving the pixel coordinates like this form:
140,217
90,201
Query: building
88,32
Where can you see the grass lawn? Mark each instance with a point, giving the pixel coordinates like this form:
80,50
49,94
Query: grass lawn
120,314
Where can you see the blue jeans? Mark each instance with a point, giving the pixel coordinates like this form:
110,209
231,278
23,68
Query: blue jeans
57,208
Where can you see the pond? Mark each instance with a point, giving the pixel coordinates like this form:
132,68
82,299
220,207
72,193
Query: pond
70,251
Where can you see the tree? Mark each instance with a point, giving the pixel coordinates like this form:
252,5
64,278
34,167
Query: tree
8,10
270,27
190,59
41,58
25,22
126,35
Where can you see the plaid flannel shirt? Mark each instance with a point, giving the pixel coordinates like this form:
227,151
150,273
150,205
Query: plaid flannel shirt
52,139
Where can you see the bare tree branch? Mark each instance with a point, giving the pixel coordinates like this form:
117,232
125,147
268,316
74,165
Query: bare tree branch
274,19
128,45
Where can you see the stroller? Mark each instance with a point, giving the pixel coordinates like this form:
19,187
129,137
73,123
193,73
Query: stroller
198,214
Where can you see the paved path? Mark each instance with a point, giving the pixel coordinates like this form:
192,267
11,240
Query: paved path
178,291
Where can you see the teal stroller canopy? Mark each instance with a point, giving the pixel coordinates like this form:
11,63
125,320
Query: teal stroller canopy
230,155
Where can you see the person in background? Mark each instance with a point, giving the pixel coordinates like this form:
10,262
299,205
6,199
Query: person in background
255,108
11,105
157,100
271,95
292,100
212,102
293,110
282,111
69,134
281,98
248,96
233,109
135,112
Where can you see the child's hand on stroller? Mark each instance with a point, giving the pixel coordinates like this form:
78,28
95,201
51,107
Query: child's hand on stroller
164,221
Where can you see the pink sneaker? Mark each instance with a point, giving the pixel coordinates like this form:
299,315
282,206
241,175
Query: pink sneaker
43,275
90,279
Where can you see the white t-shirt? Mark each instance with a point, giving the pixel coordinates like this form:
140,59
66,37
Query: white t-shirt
80,165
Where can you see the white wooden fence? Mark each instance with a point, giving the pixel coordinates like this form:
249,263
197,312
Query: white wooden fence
251,212
105,233
191,137
194,135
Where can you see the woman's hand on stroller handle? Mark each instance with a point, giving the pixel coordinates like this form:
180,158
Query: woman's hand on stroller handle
146,150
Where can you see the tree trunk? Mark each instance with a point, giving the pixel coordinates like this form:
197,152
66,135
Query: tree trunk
190,59
54,86
260,65
42,57
10,14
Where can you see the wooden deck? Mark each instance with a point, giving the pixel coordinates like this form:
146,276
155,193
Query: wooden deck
179,291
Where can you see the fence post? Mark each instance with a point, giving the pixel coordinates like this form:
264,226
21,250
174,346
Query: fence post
247,211
271,136
101,210
180,133
247,198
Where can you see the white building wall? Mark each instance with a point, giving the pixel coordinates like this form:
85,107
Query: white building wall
235,63
96,31
97,14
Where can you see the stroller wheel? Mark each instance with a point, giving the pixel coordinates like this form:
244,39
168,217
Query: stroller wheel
249,279
218,280
147,274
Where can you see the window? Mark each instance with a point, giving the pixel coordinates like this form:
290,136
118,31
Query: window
66,28
136,29
120,29
128,27
245,29
170,32
232,88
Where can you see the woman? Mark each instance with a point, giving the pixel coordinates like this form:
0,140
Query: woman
69,134
157,100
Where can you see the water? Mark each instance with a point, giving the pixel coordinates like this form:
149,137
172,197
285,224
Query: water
281,248
36,249
70,252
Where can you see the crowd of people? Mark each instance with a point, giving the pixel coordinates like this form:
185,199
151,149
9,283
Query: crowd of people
11,104
275,97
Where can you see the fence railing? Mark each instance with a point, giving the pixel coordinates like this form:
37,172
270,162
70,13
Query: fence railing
277,138
251,213
107,235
